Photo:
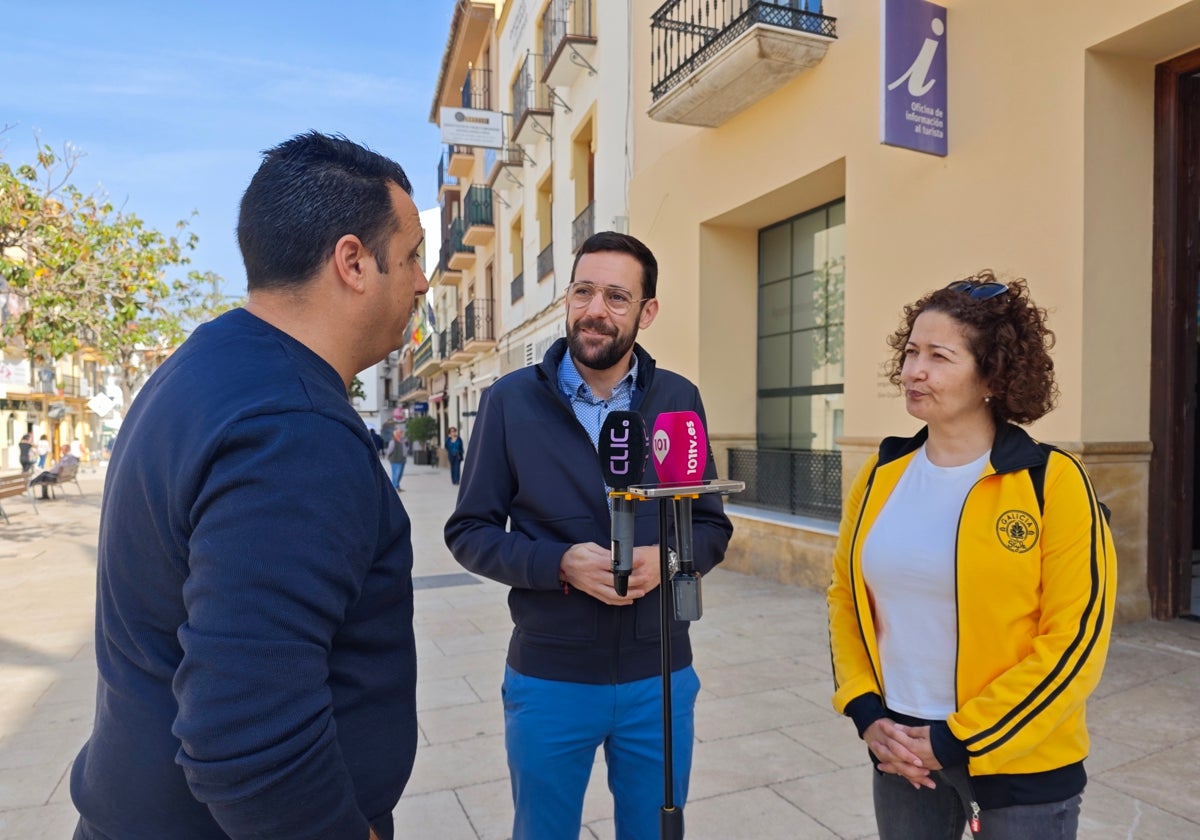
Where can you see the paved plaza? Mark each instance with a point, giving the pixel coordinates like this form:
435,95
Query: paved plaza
772,760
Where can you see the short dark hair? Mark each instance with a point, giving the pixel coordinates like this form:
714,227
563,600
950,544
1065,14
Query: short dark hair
309,192
1007,335
622,243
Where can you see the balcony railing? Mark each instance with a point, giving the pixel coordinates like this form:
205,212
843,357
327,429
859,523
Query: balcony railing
478,317
583,226
457,228
70,385
462,160
424,353
455,344
479,206
565,19
806,482
408,386
518,287
509,156
445,179
477,89
545,263
530,98
443,344
687,33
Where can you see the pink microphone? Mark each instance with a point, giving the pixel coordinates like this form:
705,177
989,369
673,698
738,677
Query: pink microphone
680,447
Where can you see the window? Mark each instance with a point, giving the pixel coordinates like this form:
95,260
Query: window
801,281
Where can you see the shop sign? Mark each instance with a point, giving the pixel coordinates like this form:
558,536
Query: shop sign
913,88
472,127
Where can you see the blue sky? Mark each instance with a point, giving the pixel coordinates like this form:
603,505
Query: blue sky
172,103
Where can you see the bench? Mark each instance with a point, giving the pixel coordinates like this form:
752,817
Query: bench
14,485
66,473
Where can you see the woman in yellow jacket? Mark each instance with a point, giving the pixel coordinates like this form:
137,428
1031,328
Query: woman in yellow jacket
973,584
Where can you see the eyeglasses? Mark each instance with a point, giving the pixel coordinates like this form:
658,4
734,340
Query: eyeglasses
977,290
618,300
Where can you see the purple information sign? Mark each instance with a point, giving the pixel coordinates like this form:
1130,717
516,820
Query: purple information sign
913,91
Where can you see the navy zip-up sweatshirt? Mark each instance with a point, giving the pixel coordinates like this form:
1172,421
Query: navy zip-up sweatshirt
531,488
254,607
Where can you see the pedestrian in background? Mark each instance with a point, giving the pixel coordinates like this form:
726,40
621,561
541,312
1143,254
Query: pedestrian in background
26,456
974,581
584,665
43,451
397,455
454,452
254,617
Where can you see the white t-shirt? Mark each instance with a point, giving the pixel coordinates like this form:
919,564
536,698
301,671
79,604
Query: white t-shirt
909,568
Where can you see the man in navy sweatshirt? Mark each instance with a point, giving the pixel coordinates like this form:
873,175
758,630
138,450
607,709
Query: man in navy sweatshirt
254,635
584,665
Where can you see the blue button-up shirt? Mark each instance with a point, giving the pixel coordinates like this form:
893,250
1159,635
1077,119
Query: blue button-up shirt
589,409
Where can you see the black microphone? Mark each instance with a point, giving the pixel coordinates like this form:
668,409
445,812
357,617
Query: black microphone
622,449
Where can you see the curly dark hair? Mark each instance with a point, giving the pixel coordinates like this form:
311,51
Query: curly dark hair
1008,337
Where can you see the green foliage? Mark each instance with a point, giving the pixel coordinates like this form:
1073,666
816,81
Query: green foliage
356,389
89,275
421,428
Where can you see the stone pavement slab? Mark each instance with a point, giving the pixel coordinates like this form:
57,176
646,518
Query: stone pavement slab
772,760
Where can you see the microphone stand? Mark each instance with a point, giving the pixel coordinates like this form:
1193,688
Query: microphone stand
670,822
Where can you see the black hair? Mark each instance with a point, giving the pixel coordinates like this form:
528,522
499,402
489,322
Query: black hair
622,243
309,192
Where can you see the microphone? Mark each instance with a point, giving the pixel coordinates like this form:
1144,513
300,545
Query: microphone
680,447
681,456
622,449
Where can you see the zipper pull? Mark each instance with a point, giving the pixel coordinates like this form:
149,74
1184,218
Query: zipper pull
975,822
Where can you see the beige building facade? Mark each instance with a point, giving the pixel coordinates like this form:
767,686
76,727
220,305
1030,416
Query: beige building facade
557,75
1073,134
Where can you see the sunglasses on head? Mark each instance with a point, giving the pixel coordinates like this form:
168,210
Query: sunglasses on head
985,290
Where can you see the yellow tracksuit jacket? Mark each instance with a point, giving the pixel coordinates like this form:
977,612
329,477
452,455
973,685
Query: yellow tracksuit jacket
1035,588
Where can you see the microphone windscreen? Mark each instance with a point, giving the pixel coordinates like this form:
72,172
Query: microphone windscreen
622,448
680,447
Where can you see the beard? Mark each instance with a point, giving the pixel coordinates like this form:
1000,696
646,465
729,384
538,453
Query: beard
605,355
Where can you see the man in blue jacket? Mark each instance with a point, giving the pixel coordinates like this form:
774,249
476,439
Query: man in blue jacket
584,663
254,635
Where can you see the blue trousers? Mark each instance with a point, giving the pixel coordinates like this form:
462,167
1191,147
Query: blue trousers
552,730
903,812
397,473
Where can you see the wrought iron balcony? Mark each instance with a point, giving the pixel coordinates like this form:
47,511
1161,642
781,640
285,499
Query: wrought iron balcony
448,274
545,263
411,388
761,46
458,352
462,161
477,89
461,255
425,360
478,213
532,107
518,287
504,171
478,326
568,41
583,226
446,181
70,385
